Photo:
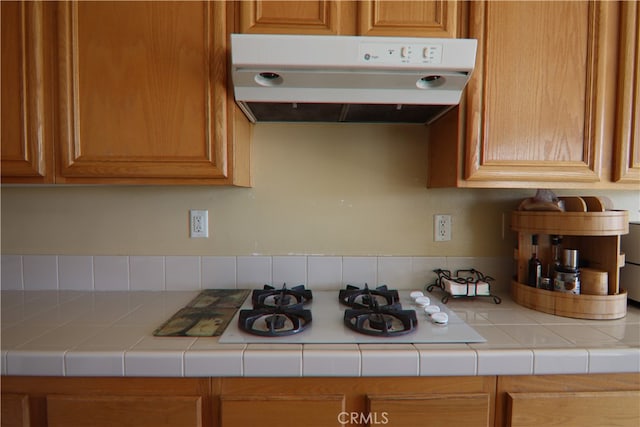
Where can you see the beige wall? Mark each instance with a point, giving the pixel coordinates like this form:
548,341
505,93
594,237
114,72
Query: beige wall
319,189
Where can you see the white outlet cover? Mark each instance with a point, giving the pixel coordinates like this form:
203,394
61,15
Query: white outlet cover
198,223
442,228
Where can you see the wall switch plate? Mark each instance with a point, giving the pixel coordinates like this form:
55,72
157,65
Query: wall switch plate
198,223
442,228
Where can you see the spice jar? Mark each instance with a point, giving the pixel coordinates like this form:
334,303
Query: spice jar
566,278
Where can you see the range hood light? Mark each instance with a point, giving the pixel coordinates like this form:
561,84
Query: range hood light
268,79
431,81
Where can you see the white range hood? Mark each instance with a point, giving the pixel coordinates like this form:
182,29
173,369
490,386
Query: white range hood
287,78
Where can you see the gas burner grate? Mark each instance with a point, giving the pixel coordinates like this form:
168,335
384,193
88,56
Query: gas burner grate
355,297
282,297
274,321
385,321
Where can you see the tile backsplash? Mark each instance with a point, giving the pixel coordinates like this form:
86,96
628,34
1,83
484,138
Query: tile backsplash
173,273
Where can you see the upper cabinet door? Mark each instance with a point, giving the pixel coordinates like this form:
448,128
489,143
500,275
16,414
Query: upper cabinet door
142,92
627,148
437,18
433,18
541,98
26,148
297,17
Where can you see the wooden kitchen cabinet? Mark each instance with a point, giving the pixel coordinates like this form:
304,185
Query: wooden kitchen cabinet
326,401
539,109
568,400
457,409
124,411
281,410
627,142
27,145
398,401
96,402
14,410
141,94
434,18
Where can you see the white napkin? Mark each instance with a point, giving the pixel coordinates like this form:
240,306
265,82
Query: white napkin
467,289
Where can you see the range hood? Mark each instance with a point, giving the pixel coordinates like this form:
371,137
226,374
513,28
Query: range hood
295,78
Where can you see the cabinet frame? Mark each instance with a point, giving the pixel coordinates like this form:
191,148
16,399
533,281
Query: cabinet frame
627,142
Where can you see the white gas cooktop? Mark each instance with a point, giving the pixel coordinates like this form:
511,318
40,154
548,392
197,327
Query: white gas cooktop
327,326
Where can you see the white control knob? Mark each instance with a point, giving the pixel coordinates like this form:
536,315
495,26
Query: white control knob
431,310
423,301
416,294
440,318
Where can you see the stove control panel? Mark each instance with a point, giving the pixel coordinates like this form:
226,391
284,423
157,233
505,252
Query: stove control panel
392,53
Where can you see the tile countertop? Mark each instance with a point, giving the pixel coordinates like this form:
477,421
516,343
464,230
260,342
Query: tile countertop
110,334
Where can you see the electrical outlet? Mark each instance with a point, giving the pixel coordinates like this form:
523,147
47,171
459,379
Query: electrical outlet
198,223
442,228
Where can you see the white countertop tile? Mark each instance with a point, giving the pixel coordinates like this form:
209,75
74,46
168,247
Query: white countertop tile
535,336
612,360
154,363
585,335
447,359
389,360
560,361
265,360
496,338
93,363
164,343
331,360
115,338
63,337
40,362
505,362
628,334
201,361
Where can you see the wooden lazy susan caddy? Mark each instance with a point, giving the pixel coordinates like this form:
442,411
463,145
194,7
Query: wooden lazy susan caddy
585,225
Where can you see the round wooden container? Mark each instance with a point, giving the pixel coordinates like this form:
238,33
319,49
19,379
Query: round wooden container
596,236
594,282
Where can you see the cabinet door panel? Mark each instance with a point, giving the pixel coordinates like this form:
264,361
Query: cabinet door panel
539,100
124,411
438,18
579,409
25,146
297,17
15,410
460,409
141,90
280,410
627,148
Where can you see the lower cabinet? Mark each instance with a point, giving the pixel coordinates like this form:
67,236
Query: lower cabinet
389,401
281,410
102,402
455,409
549,400
124,411
14,410
569,400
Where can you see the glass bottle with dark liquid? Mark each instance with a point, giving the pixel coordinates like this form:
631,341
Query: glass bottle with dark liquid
535,265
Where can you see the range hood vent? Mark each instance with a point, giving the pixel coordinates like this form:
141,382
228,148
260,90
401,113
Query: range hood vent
284,78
